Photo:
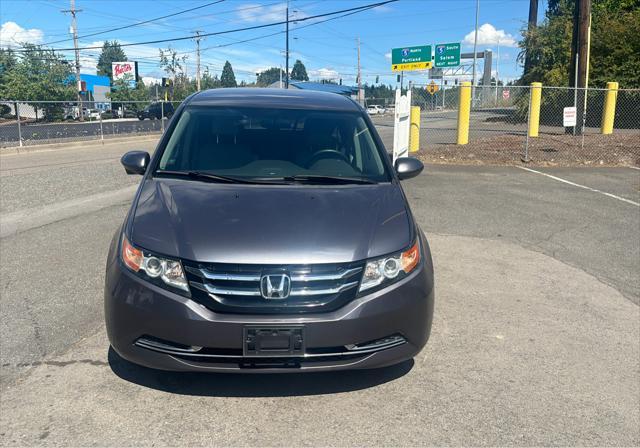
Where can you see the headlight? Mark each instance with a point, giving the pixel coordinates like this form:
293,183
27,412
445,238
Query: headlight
390,269
169,271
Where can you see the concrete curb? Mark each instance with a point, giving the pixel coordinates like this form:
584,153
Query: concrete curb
77,144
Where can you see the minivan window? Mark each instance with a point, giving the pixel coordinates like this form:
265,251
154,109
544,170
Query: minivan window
273,143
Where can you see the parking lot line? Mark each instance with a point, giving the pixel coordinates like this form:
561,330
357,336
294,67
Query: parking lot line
581,186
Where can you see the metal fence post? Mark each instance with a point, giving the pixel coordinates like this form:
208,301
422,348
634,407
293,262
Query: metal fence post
101,133
525,159
18,118
162,116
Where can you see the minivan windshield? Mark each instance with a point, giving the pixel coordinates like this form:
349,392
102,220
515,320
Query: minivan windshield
287,144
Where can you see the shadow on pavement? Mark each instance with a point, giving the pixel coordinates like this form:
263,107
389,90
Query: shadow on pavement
254,385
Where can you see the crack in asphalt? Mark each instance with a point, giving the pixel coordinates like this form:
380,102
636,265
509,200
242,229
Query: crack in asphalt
92,362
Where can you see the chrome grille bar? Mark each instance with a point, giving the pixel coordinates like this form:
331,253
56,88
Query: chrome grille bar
324,277
215,290
223,276
317,292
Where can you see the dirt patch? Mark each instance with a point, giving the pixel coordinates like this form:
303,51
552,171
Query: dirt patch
547,149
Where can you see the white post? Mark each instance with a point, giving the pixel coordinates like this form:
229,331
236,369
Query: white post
401,124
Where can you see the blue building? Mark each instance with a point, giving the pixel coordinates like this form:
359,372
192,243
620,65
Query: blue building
95,89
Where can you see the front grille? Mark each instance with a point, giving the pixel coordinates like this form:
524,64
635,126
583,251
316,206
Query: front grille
235,288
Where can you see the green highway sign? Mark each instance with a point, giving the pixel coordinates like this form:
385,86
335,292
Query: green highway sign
447,55
411,58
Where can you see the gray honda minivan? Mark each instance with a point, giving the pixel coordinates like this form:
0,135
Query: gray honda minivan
269,233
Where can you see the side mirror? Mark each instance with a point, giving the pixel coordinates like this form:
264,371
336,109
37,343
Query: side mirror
135,162
408,167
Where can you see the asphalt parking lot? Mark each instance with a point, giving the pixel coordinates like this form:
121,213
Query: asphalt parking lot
536,336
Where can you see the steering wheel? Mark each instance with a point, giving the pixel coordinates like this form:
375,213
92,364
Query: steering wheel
327,154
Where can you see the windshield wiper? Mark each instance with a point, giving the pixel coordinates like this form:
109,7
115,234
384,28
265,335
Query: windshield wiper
208,177
319,179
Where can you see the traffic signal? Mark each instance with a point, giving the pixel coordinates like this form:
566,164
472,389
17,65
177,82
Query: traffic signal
377,79
340,81
397,78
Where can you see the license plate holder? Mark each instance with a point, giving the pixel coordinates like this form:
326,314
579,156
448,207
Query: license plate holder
259,341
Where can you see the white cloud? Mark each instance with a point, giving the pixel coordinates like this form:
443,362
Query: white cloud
88,65
12,34
324,73
150,80
258,13
489,35
388,55
255,13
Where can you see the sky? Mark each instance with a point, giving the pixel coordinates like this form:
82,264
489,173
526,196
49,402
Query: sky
328,50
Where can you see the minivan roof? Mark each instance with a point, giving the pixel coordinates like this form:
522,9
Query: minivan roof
274,98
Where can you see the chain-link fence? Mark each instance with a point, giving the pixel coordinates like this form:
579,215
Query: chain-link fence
25,123
500,123
502,129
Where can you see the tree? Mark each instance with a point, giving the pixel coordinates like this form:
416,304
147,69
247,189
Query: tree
615,47
269,76
111,52
8,62
209,81
174,68
614,56
299,71
38,75
122,92
228,79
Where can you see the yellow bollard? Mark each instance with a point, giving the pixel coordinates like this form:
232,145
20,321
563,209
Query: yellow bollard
414,135
609,111
534,108
464,110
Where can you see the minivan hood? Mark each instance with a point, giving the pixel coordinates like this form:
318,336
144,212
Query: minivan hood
258,224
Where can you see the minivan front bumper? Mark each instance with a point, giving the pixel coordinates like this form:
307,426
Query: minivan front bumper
156,328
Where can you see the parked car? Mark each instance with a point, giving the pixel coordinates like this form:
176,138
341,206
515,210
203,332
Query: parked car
269,232
93,114
154,111
73,113
375,110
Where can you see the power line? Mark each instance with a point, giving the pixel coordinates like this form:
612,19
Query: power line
139,23
217,33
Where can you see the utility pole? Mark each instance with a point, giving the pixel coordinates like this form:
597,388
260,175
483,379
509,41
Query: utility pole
359,74
579,67
286,73
198,60
74,29
475,53
533,23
